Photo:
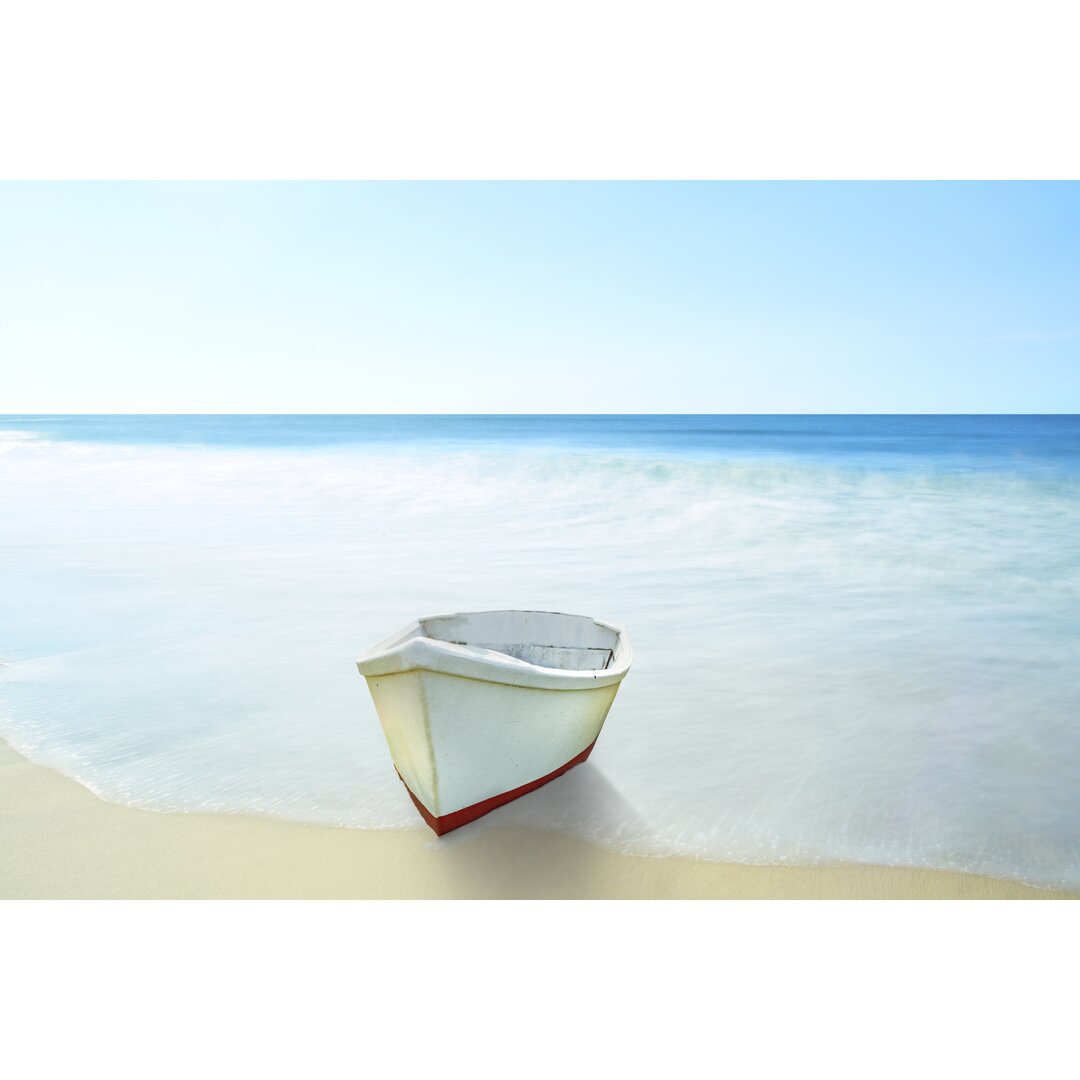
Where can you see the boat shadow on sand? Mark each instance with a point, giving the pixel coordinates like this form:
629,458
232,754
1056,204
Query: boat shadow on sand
539,846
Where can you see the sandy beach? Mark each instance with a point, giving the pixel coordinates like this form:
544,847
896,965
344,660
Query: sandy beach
59,840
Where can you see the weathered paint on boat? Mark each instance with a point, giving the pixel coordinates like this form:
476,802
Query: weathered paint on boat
480,708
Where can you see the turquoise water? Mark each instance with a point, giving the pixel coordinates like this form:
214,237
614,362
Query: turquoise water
856,638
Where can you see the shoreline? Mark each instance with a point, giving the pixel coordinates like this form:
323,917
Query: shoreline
60,841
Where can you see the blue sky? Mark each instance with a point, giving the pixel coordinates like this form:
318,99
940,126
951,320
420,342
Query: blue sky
545,297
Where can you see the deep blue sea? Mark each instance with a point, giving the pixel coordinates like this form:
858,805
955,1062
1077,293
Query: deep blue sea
857,638
979,440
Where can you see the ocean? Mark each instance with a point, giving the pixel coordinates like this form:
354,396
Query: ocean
857,638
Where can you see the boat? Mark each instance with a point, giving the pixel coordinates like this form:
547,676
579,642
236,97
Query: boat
482,707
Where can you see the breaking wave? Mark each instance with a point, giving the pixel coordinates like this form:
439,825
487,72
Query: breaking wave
837,659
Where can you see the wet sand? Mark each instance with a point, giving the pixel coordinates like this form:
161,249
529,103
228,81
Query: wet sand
59,840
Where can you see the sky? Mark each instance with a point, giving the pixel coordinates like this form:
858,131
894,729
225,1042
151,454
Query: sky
580,297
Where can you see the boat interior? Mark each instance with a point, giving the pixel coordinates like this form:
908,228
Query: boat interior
543,638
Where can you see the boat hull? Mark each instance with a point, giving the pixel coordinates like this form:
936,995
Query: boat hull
480,708
458,745
449,822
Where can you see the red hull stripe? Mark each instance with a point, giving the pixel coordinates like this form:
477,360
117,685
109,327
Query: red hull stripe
449,822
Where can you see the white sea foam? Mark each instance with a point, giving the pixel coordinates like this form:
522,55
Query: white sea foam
834,661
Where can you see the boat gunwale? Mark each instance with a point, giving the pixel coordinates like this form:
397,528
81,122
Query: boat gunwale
410,649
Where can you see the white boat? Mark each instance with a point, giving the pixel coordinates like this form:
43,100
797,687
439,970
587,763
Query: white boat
479,708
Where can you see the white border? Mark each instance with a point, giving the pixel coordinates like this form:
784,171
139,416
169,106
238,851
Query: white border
496,989
566,89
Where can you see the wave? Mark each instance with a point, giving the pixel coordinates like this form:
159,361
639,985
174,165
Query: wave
836,661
